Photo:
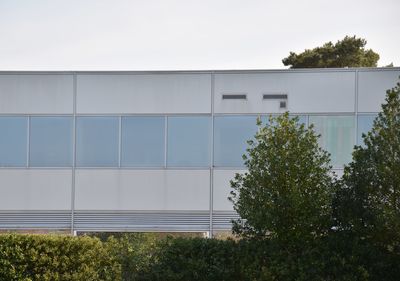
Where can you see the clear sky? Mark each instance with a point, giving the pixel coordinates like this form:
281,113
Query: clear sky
185,34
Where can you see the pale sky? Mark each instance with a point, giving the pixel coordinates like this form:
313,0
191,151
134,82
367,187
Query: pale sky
185,34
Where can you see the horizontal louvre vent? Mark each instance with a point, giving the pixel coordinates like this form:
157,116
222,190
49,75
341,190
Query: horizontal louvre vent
35,219
141,221
275,97
234,96
223,220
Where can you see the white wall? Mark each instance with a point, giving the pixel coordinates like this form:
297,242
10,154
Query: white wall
161,93
222,189
35,189
36,93
307,92
167,190
372,86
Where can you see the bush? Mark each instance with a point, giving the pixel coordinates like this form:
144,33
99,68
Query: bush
49,257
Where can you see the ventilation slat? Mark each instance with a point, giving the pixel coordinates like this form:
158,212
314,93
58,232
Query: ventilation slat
234,96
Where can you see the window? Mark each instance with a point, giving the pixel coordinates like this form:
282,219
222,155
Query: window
365,123
13,141
51,142
337,137
97,141
143,141
231,134
189,141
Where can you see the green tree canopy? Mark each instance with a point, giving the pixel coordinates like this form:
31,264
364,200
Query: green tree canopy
369,200
287,191
349,52
367,204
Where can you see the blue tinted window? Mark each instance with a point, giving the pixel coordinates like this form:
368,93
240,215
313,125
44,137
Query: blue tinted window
231,134
189,141
13,141
97,141
51,141
337,137
302,119
143,141
365,123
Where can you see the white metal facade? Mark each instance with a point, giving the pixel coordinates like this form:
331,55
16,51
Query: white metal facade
163,198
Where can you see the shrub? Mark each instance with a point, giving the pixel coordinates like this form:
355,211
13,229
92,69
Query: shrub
50,257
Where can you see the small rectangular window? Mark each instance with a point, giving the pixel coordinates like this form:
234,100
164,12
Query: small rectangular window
275,97
234,96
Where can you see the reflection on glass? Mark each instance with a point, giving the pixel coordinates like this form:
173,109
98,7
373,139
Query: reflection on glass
51,142
143,141
365,123
231,134
337,137
189,141
13,141
97,141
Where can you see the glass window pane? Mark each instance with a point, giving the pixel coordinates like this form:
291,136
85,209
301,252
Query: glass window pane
97,141
302,119
231,134
13,141
365,123
189,141
337,137
143,141
51,142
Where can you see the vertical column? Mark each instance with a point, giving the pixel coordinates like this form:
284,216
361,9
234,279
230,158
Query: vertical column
28,143
356,107
119,140
165,140
73,154
212,158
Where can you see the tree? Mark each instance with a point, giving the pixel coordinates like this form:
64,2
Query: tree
286,193
349,52
367,204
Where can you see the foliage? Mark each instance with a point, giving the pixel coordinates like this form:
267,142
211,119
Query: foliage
349,52
286,192
367,206
49,257
135,252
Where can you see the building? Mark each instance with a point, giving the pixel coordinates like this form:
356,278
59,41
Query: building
154,151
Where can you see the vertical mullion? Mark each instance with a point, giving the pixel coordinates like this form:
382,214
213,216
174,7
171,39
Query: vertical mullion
356,108
28,144
165,141
119,141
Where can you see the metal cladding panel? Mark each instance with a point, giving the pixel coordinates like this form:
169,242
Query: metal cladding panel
161,190
129,93
372,87
35,189
307,92
36,94
222,189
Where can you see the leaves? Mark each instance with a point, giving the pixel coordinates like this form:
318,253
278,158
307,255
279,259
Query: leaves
349,52
287,190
